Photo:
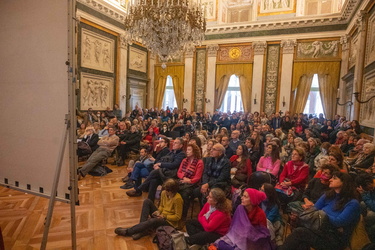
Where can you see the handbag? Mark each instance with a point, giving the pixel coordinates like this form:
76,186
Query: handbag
287,191
312,218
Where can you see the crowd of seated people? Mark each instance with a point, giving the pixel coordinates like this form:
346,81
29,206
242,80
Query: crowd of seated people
309,162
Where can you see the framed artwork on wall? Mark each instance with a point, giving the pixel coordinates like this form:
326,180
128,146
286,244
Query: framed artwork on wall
370,46
96,91
367,112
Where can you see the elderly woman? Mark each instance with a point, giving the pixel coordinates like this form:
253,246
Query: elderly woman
189,174
213,220
343,212
249,225
365,159
168,214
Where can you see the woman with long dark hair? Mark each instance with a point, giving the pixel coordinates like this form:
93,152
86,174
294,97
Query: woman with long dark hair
343,211
270,162
241,167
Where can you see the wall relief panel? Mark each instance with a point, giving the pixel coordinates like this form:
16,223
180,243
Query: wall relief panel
200,80
97,51
370,47
272,76
318,49
240,53
96,91
367,113
353,50
137,60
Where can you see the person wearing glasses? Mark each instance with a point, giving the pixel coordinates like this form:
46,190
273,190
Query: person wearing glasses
165,168
216,173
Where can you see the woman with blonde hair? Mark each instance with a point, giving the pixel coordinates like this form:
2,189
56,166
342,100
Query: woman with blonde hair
213,220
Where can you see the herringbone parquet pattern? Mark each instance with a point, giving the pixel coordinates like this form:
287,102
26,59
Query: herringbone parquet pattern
103,207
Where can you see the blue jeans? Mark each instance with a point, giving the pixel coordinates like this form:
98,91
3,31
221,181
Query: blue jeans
139,171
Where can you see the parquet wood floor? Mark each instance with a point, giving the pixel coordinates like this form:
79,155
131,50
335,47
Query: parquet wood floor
103,207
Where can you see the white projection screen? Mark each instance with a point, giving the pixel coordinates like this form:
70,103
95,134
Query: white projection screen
33,95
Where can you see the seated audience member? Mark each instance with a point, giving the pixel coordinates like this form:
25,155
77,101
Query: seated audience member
228,150
130,142
324,147
106,146
343,211
248,229
216,173
365,186
336,158
235,140
213,220
314,190
270,162
271,207
347,147
149,137
164,130
89,117
104,129
365,159
314,150
165,168
89,138
140,170
210,144
294,177
168,214
254,154
241,167
289,147
96,127
81,131
189,174
357,149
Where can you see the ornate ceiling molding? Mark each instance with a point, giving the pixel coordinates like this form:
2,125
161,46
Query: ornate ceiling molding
105,9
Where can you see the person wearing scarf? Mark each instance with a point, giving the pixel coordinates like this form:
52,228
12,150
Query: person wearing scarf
248,230
213,220
189,174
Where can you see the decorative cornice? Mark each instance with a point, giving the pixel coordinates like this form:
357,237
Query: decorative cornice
288,46
104,9
361,20
189,52
259,47
212,50
344,41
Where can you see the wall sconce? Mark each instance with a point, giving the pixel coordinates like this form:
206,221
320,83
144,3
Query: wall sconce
350,103
357,94
283,101
184,100
129,97
206,100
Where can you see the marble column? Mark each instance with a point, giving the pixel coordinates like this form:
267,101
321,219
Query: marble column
259,50
188,79
344,70
360,59
211,76
151,82
122,74
286,74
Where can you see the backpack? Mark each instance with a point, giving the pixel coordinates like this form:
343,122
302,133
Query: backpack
168,238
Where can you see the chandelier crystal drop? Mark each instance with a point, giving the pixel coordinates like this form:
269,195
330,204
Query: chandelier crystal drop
165,27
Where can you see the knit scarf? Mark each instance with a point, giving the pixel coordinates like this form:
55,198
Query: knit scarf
189,169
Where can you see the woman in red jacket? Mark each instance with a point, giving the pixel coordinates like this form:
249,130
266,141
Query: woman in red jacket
213,220
241,167
294,177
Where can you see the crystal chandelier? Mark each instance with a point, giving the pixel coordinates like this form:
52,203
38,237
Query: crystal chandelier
165,27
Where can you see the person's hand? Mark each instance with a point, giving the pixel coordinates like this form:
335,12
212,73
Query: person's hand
122,142
307,206
360,190
152,158
157,166
185,180
204,188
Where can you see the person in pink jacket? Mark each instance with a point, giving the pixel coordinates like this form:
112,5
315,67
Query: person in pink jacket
213,220
270,162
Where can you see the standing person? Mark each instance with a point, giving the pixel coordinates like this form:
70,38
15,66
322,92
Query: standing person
213,220
189,174
168,214
343,210
117,112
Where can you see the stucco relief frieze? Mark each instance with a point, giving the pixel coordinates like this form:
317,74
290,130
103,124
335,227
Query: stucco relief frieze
317,49
239,53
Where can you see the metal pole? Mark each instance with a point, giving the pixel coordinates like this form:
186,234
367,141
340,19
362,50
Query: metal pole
54,187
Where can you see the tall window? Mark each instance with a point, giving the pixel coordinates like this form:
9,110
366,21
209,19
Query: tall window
232,100
314,102
169,97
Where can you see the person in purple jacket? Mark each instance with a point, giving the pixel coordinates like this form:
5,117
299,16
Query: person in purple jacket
343,211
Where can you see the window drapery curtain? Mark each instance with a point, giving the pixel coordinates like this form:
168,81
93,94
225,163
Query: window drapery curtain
331,69
177,72
223,73
327,93
302,92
